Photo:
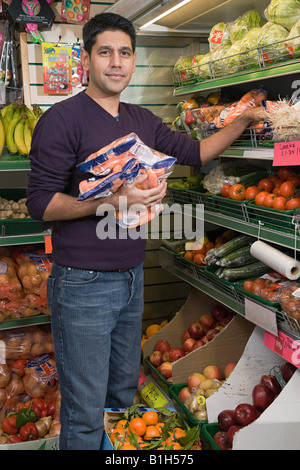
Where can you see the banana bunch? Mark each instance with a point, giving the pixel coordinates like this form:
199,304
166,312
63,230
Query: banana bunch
17,123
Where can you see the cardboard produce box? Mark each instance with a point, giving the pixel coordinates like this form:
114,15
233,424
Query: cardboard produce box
51,443
226,347
278,426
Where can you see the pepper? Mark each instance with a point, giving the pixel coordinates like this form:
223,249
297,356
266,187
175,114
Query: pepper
26,415
40,407
9,425
13,439
29,432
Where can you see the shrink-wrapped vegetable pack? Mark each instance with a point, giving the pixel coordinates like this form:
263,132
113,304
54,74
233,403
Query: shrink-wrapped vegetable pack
283,12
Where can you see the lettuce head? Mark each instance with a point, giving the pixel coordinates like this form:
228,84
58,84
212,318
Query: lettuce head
219,36
248,50
243,24
232,59
271,40
292,42
283,12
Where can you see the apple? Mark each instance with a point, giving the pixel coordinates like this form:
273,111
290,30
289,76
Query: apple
223,321
226,419
155,358
165,357
185,335
231,432
175,354
162,345
220,439
207,320
262,396
287,370
204,339
271,382
212,372
165,369
218,312
188,344
195,330
184,394
212,333
197,344
194,380
245,414
229,368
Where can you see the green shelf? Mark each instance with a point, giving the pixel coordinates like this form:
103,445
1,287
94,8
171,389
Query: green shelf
250,76
37,320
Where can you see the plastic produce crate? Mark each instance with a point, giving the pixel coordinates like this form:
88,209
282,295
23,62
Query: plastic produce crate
10,227
239,288
275,219
198,195
207,436
227,287
162,382
232,208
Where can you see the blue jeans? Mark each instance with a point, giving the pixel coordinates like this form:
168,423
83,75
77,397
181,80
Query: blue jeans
96,319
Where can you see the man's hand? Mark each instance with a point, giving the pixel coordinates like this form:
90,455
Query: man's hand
255,114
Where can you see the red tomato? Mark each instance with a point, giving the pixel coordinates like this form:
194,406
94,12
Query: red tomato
266,185
269,199
279,203
295,180
237,192
259,198
292,203
284,172
199,258
225,190
276,191
287,189
251,192
278,182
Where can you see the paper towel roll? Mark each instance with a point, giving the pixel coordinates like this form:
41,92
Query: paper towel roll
283,264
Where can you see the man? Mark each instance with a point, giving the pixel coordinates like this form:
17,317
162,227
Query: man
95,291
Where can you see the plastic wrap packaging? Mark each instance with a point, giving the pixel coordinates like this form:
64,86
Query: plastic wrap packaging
219,36
244,23
292,43
271,41
290,300
283,12
25,343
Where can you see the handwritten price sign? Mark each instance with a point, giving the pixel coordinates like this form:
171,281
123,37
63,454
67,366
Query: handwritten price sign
286,153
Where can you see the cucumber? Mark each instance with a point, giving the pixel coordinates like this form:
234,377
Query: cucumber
244,272
239,257
231,245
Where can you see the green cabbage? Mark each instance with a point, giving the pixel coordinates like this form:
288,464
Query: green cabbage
219,36
292,42
182,69
243,24
217,60
283,12
249,52
232,59
271,41
203,69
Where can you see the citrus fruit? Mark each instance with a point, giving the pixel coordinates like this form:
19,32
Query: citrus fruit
151,432
152,329
150,417
137,426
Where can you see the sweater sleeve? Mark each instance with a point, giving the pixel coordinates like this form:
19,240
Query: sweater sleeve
52,157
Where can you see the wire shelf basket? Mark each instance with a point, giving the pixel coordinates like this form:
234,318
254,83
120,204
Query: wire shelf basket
249,61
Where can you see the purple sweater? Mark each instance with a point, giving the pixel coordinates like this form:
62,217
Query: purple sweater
66,135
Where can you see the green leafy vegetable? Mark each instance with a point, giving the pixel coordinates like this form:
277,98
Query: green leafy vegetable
219,36
271,39
283,12
243,24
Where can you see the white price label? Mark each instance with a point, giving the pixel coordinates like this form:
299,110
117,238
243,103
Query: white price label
261,316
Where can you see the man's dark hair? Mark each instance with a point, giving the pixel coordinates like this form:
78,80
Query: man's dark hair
106,22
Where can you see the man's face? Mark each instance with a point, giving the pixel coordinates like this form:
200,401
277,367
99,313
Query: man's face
111,64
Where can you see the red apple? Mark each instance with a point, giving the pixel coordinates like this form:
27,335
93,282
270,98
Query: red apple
245,414
231,432
162,345
220,439
212,333
207,320
287,370
197,344
204,339
194,380
223,321
212,372
195,330
262,396
188,344
185,335
271,382
155,358
218,312
165,369
165,357
184,394
226,419
229,368
175,354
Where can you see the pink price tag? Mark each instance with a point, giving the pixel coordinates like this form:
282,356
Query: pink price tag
285,346
286,153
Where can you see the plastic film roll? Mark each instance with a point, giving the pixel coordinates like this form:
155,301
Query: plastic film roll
283,264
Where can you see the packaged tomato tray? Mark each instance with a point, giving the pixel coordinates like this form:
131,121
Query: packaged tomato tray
267,288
